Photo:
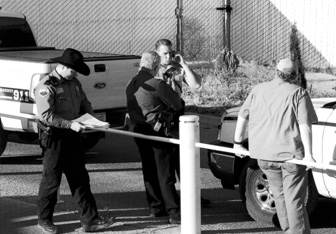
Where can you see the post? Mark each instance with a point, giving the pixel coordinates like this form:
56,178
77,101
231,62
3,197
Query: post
190,175
179,26
227,23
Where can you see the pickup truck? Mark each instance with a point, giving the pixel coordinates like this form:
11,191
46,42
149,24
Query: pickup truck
23,64
252,182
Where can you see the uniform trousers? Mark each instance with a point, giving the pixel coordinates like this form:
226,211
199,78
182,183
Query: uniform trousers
158,171
65,155
288,183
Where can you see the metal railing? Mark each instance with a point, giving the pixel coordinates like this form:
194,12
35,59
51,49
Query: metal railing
189,133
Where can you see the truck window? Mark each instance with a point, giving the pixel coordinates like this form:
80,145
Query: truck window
15,32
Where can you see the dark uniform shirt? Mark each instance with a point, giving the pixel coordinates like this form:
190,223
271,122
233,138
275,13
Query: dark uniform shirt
59,100
147,96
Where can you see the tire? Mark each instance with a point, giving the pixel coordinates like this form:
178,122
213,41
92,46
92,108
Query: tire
258,198
3,139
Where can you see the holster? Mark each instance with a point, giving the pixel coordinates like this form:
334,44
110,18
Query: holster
166,118
45,135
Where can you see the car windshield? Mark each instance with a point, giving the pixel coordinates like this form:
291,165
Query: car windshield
15,32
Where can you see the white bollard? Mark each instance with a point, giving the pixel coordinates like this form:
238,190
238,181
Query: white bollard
190,175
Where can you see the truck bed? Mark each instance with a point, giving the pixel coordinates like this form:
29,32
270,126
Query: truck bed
22,68
44,54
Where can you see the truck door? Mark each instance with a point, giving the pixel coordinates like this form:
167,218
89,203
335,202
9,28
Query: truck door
329,153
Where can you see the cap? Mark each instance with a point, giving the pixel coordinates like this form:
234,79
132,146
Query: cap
287,66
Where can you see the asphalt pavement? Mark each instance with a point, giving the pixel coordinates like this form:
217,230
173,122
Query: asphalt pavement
117,184
119,192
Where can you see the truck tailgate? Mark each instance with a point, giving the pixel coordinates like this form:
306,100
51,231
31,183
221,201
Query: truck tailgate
106,85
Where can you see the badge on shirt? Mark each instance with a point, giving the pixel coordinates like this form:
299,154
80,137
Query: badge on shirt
43,92
59,90
77,88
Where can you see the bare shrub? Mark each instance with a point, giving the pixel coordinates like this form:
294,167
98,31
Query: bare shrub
226,62
194,39
294,47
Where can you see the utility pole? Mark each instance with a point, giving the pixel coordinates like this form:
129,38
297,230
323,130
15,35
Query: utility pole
226,23
179,26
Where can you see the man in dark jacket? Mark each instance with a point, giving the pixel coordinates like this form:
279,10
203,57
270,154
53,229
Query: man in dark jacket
151,105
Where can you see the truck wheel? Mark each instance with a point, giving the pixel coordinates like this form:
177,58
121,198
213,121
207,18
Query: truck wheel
3,139
258,199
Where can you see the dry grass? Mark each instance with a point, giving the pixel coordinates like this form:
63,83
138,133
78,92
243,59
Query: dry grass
220,91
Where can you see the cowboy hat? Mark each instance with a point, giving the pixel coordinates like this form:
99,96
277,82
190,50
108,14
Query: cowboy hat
73,59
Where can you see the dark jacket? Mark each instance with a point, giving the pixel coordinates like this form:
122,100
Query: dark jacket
59,101
147,97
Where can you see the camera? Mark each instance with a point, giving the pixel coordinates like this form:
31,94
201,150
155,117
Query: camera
175,58
170,72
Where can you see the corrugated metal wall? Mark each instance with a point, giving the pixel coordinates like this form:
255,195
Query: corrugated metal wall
259,28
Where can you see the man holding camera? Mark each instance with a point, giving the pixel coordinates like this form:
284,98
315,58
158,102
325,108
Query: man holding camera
152,104
173,68
174,71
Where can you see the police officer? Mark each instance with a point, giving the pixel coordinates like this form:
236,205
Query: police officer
151,104
61,99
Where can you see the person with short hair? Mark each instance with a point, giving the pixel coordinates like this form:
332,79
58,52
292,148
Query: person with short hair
173,69
176,72
60,99
279,116
152,104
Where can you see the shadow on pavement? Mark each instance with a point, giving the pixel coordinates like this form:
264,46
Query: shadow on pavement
22,160
129,208
226,214
324,214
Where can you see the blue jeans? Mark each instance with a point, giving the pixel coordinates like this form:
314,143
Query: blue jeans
288,183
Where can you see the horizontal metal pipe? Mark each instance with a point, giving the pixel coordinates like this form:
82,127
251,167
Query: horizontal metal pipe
133,134
322,166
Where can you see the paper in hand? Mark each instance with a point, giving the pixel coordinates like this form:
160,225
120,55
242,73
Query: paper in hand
91,122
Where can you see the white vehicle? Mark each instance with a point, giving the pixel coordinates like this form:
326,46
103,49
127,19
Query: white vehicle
23,64
253,183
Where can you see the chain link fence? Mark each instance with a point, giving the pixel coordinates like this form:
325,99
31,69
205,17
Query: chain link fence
126,27
119,26
202,30
259,28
